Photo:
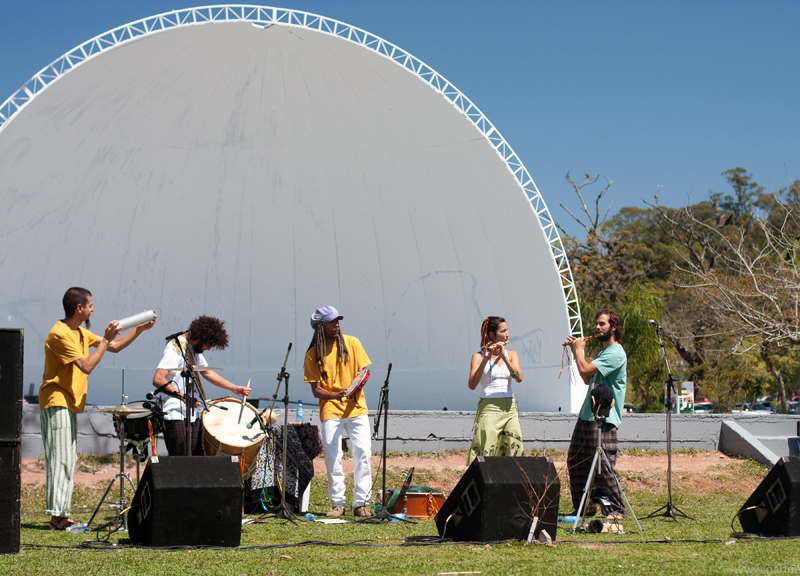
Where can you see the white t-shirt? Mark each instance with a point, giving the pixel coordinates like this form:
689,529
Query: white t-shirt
496,381
171,358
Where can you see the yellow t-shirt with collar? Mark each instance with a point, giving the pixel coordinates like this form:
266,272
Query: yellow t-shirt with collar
63,383
339,377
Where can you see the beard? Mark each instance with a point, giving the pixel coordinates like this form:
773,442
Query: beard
198,348
605,336
88,324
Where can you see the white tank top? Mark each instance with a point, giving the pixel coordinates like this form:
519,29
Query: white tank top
496,381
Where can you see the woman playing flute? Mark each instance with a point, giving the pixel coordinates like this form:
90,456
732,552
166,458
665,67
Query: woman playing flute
497,429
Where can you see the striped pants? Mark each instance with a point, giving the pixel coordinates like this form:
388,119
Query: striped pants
582,449
60,437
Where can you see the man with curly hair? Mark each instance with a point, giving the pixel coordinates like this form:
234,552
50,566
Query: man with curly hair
609,369
205,333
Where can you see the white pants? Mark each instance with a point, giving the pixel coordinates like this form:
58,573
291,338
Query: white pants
358,430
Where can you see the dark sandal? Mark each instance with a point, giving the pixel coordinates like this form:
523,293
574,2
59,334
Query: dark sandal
62,524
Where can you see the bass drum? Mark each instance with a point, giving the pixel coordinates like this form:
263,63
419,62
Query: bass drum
222,434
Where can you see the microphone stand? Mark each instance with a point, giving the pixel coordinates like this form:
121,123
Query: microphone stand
281,510
188,376
669,510
383,408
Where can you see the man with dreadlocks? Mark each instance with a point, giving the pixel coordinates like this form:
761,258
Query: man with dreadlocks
332,362
205,333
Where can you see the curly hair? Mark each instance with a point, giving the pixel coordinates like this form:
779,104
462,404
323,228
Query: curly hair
210,331
615,321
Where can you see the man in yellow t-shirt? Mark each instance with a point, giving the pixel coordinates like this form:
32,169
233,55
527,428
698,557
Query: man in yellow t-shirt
67,364
331,363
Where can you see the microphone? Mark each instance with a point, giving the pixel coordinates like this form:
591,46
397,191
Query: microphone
162,390
654,324
253,421
173,336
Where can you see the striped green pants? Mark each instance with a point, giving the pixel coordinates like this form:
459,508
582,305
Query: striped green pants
60,437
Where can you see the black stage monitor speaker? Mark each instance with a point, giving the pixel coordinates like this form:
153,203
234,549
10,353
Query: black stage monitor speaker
10,470
11,357
774,507
188,501
496,498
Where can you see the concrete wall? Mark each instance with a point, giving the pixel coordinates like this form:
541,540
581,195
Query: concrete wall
433,431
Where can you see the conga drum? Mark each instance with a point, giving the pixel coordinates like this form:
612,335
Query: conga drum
222,434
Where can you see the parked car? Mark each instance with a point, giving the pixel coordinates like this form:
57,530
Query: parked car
703,408
791,407
700,399
629,408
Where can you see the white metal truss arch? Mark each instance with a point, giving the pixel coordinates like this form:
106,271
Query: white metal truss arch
269,16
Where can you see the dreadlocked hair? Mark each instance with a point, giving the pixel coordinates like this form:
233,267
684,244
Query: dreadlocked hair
318,341
491,324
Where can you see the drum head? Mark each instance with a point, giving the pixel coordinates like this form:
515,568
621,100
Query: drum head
223,425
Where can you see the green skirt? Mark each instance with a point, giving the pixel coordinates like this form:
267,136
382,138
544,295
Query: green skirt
497,430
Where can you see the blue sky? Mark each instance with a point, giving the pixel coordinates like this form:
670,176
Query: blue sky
645,93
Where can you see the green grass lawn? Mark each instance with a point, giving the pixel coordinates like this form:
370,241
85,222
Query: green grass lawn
379,549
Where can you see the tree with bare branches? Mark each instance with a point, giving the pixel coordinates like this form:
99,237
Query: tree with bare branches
739,255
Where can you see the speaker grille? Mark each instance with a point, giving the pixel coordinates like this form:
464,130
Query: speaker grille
188,501
11,358
496,498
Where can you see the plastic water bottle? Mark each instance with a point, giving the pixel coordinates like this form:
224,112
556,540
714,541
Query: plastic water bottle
567,519
310,517
76,528
299,412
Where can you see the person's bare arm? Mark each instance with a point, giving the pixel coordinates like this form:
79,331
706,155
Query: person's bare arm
87,365
324,394
585,368
219,381
476,366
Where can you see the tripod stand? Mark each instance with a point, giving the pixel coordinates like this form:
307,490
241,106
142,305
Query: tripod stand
281,510
669,510
596,463
120,413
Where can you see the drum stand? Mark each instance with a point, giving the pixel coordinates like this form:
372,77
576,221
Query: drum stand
119,520
281,510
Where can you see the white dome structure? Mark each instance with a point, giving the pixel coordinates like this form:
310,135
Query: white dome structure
256,163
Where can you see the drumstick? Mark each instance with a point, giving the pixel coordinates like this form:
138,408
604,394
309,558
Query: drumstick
242,408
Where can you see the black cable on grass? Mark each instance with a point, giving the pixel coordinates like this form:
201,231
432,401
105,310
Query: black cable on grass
410,541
